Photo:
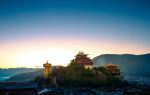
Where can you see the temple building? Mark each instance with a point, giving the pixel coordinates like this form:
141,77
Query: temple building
82,59
114,71
47,69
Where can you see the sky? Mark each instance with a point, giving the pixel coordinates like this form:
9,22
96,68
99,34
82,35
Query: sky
33,31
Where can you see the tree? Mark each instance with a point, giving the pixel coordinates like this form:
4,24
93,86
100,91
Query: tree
75,75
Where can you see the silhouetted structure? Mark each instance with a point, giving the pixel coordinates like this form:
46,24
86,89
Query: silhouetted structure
112,68
82,59
47,69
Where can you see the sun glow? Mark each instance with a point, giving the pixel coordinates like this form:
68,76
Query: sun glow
35,58
35,53
57,52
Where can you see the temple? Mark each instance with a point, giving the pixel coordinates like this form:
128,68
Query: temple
114,71
47,69
82,59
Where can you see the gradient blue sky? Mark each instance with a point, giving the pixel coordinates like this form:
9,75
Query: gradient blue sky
39,27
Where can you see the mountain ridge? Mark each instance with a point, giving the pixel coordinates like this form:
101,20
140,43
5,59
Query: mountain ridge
130,64
9,72
25,77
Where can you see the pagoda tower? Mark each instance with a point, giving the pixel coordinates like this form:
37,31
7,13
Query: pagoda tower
113,69
47,69
82,59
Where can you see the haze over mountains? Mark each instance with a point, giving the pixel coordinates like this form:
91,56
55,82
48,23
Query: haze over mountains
6,73
137,65
28,76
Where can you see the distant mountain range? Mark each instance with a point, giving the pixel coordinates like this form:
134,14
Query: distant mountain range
24,77
6,73
132,65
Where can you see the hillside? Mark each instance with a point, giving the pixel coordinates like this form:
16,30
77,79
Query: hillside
136,65
24,77
8,72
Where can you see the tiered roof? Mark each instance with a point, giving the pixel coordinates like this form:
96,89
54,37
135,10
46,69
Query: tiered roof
82,58
113,68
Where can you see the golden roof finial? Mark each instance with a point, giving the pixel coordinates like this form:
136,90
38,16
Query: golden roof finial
81,52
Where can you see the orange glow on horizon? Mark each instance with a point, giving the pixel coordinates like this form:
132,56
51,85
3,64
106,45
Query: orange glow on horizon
57,52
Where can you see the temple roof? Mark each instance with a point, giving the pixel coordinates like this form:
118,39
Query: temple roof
81,53
82,58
